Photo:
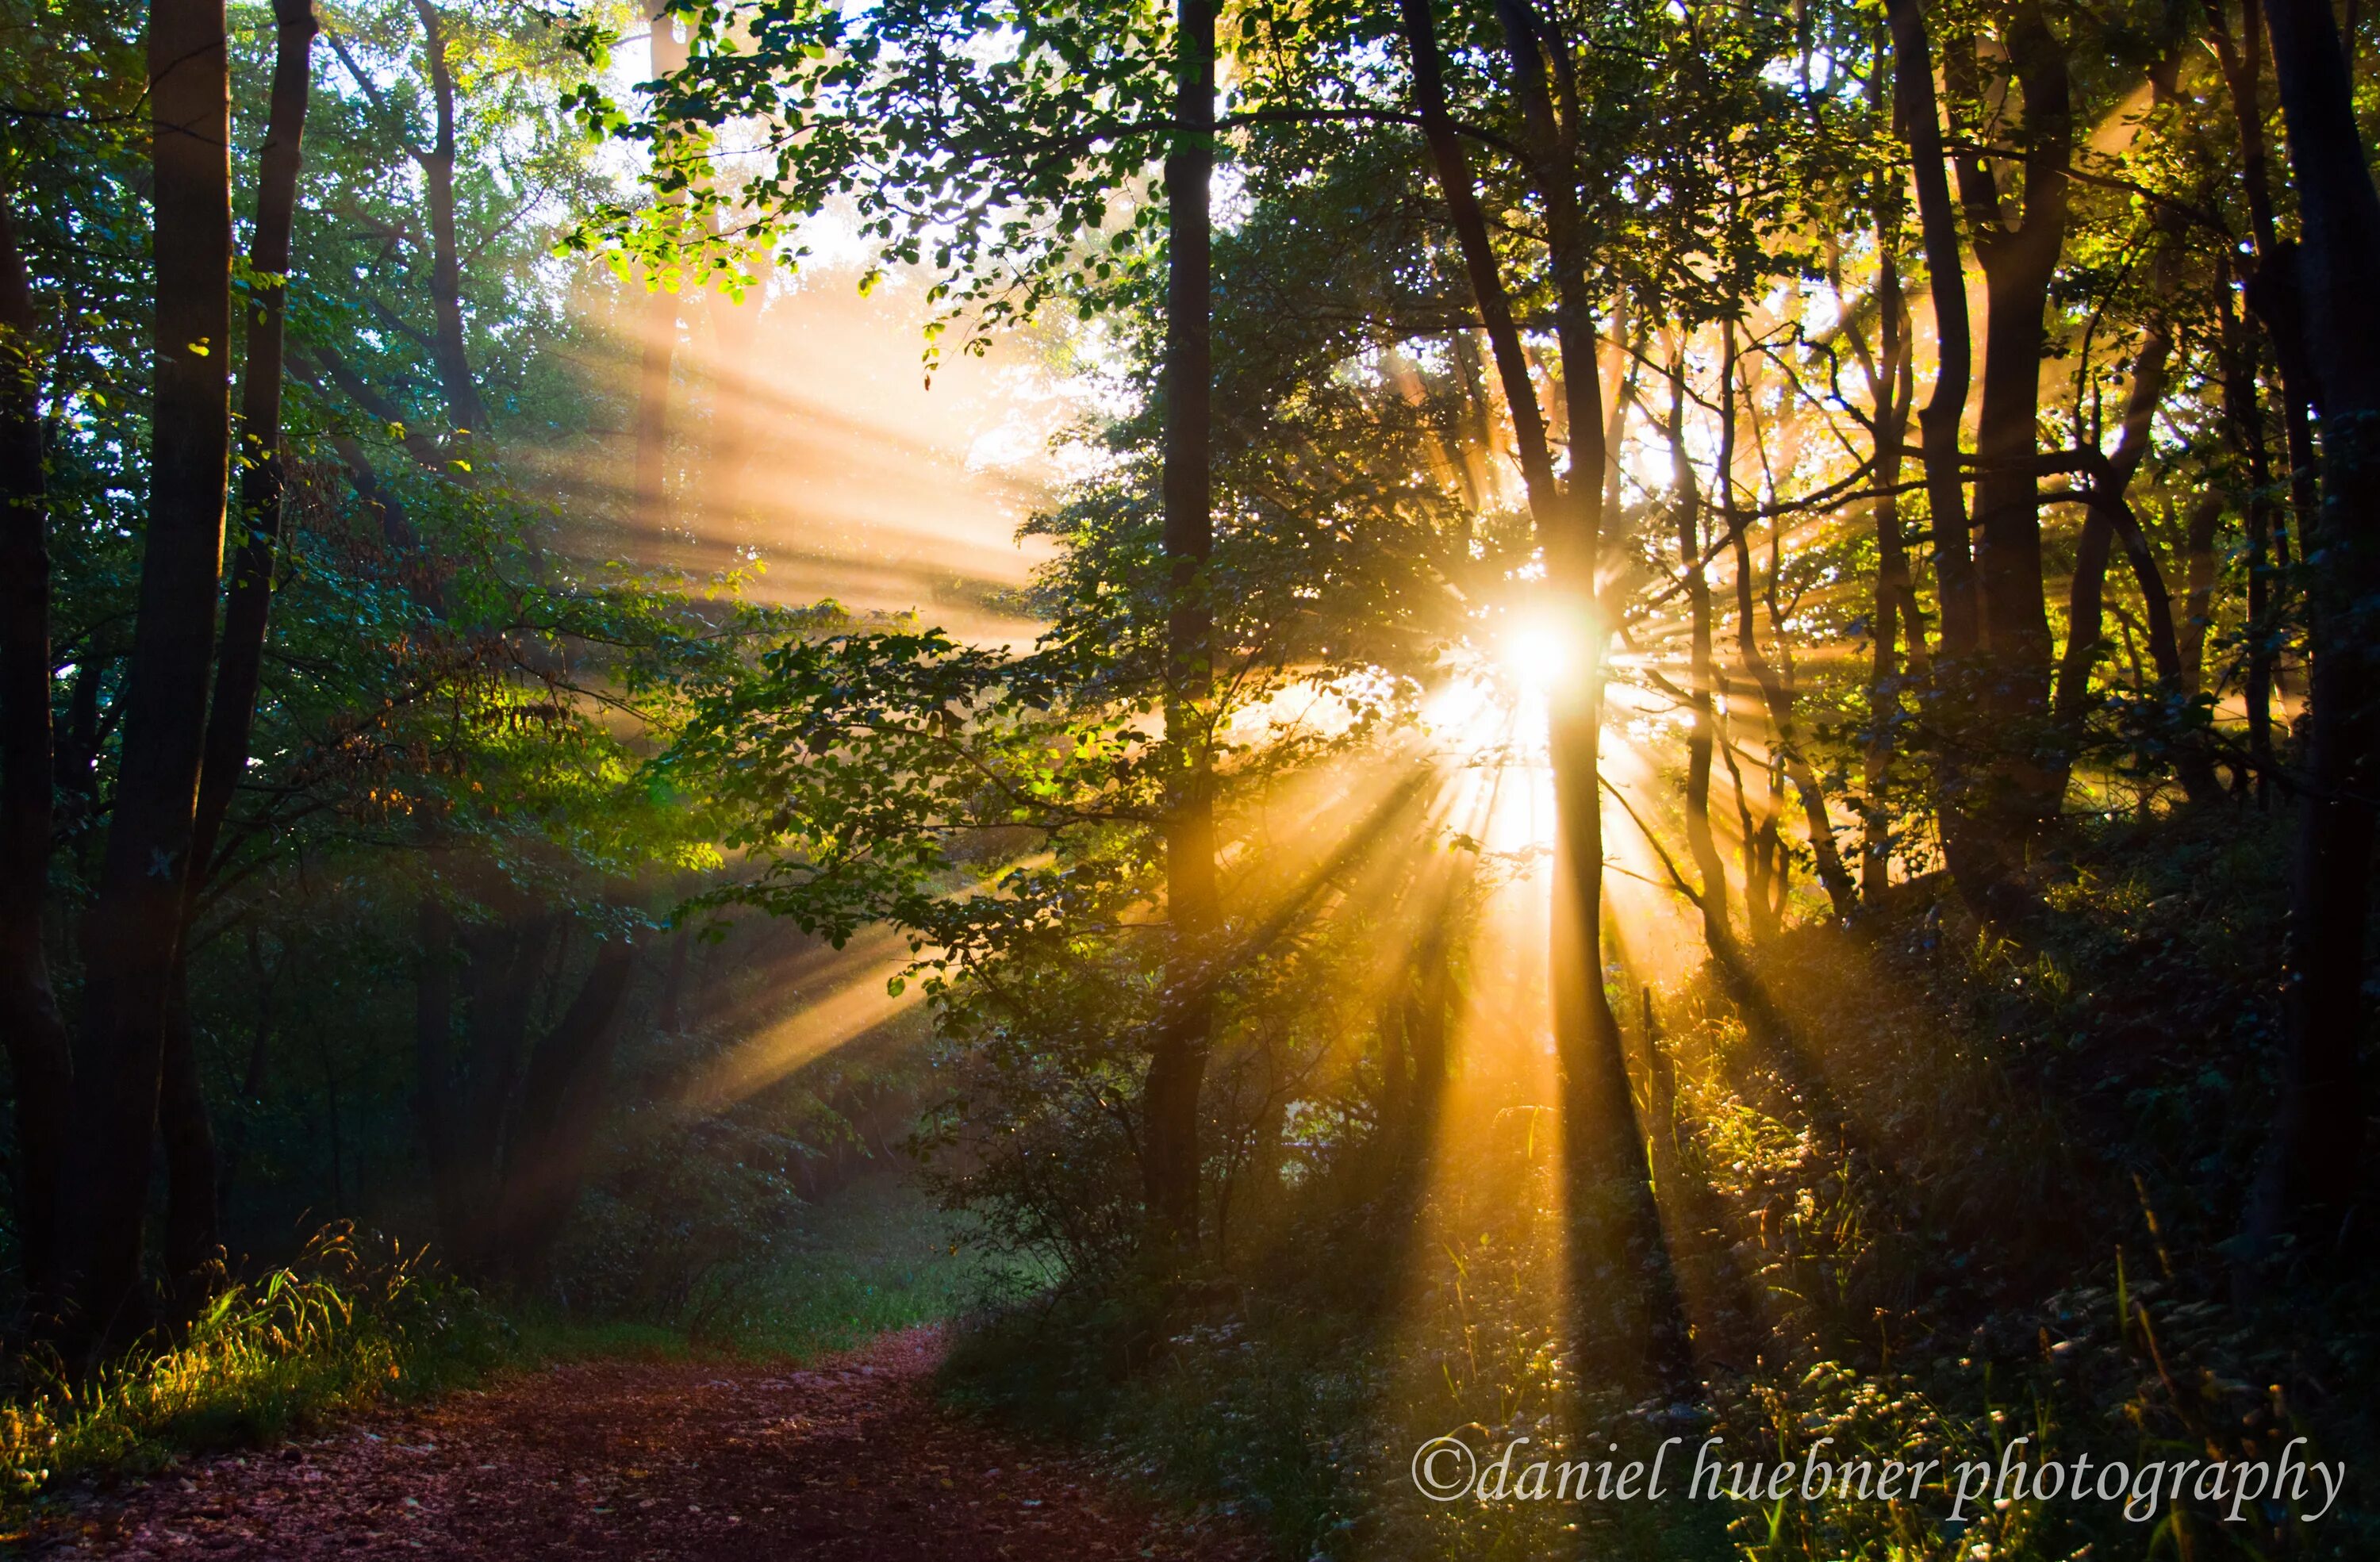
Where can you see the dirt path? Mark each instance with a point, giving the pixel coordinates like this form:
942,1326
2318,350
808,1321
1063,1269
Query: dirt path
849,1459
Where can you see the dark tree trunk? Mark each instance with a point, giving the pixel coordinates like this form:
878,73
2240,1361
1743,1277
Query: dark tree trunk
1177,1067
193,1174
1603,1139
435,1103
2317,1142
1891,389
187,1136
1920,121
1700,674
1974,858
2200,567
463,406
561,1099
232,716
1758,837
2273,288
131,934
2243,424
38,1057
2019,264
1586,1033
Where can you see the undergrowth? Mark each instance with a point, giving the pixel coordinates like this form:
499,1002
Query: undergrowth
1944,1193
348,1323
355,1322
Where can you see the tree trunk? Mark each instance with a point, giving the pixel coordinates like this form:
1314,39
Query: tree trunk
1920,119
131,934
38,1057
561,1099
454,360
2317,1140
2272,289
1700,681
1891,390
1602,1137
187,1137
2019,264
1177,1066
1587,1032
193,1174
2244,431
435,1103
1974,858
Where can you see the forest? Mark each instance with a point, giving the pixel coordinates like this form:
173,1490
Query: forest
1343,778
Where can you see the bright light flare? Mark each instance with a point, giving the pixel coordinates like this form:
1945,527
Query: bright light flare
1543,652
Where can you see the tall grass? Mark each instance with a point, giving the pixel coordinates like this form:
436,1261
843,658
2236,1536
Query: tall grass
343,1325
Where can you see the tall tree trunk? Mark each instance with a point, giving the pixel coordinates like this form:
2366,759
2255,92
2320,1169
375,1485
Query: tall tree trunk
2201,569
38,1057
1587,1032
1974,858
1891,391
192,1177
2317,1140
1700,677
561,1099
453,356
1758,835
1177,1066
2017,263
132,933
2272,289
1601,1131
1919,120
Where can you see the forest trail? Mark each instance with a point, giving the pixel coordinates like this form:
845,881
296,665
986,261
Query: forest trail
848,1457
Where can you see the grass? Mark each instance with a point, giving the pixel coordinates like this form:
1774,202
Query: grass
347,1324
876,1257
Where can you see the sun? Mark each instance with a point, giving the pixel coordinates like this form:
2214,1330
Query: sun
1540,653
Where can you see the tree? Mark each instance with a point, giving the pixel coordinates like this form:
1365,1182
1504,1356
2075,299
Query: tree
134,926
38,1046
2318,1133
